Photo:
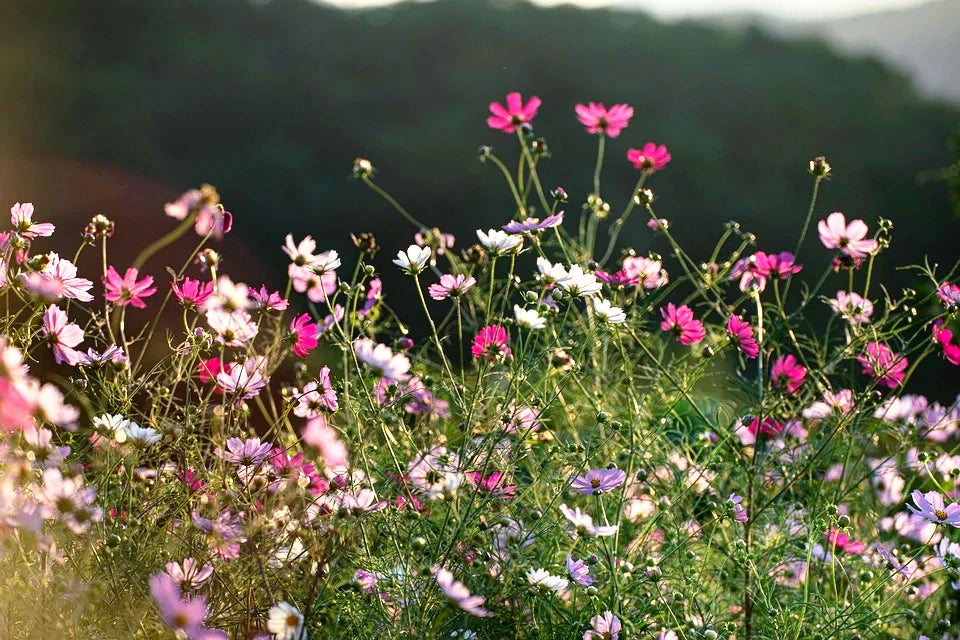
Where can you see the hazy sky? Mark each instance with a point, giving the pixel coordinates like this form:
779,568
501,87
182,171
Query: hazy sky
795,9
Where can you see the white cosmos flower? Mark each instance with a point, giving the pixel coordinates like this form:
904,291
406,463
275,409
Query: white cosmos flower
285,622
551,273
116,425
498,242
546,580
413,260
583,522
579,283
607,312
528,318
325,262
141,435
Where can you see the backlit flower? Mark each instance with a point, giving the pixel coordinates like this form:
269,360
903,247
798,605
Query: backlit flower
413,260
515,113
285,622
741,334
608,313
680,322
499,242
546,580
881,363
379,356
932,506
650,158
787,374
534,224
305,335
605,627
598,119
528,318
597,480
584,522
128,290
854,308
458,593
851,239
451,286
21,217
491,343
62,336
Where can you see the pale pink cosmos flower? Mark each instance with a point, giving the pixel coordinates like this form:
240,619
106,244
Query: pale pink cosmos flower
851,239
318,287
650,158
363,501
597,480
491,343
379,356
949,293
741,334
64,274
853,307
451,286
931,506
67,500
21,217
268,300
648,271
605,627
62,336
885,366
584,523
579,571
840,402
188,574
245,453
238,379
530,225
458,593
305,335
233,329
316,396
317,433
128,290
598,119
787,374
680,322
515,114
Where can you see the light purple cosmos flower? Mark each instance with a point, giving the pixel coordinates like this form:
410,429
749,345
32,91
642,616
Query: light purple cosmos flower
62,336
246,452
597,480
739,512
189,574
534,224
183,616
605,627
459,594
451,286
579,571
931,505
243,381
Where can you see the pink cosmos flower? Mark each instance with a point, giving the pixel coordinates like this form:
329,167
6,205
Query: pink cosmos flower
605,627
62,336
128,290
850,239
931,506
650,158
579,571
597,480
837,540
317,433
885,366
246,453
318,287
458,593
16,412
494,484
379,356
21,217
739,512
451,286
224,533
786,373
949,293
778,266
943,337
534,224
841,402
192,293
750,431
618,279
583,522
263,298
741,333
648,271
374,293
491,343
852,307
598,119
680,321
63,274
233,329
67,500
304,334
516,113
238,379
189,574
317,396
182,615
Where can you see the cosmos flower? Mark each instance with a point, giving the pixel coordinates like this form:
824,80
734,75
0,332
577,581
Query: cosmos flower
597,480
534,224
379,356
413,260
787,374
605,627
498,242
598,119
546,580
584,523
854,308
63,336
932,506
305,335
458,593
741,334
650,158
680,322
881,363
285,622
850,239
491,343
579,571
451,286
21,217
515,113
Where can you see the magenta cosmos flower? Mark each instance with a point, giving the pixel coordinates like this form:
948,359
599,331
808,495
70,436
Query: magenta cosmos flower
881,363
943,337
597,480
128,290
777,266
651,158
850,239
680,321
931,506
63,336
516,113
752,430
786,373
494,484
491,343
605,627
304,335
741,334
192,293
458,593
182,615
598,119
451,286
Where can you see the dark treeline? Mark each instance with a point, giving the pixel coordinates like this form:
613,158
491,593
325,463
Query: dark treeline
271,101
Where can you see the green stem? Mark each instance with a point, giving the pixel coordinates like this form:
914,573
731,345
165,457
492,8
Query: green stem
164,241
393,203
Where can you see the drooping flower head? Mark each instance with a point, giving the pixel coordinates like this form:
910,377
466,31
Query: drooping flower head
491,343
650,158
598,119
741,334
305,335
458,593
515,113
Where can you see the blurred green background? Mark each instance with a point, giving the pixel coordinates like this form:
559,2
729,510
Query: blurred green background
271,101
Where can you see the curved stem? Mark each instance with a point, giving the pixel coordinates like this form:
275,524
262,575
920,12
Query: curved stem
393,203
164,241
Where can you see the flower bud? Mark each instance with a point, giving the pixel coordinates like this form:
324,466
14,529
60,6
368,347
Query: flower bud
365,242
362,168
643,197
820,168
559,194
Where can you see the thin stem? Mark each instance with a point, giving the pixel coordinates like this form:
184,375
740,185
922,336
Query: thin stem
393,203
164,241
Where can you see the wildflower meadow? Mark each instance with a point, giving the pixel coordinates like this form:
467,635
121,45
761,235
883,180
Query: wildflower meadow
571,439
